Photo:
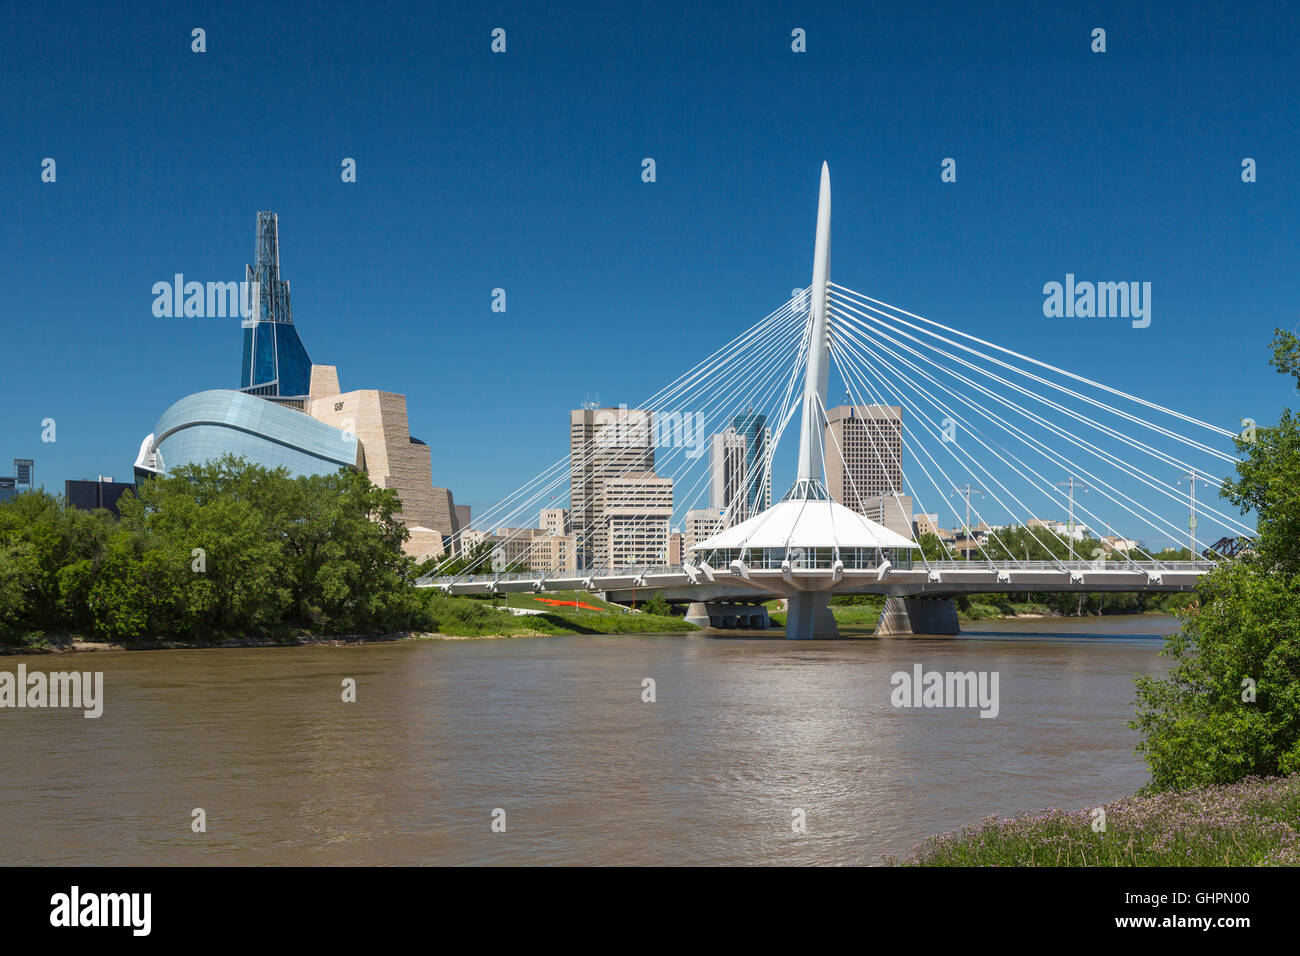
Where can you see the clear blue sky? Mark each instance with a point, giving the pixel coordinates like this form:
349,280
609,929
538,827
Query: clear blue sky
522,171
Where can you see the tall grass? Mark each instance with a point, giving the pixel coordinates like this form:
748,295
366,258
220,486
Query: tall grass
467,617
1254,822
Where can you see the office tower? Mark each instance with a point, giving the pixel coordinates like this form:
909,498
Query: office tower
926,524
636,511
740,469
550,553
555,521
753,429
604,444
528,549
103,492
864,454
892,511
701,524
727,475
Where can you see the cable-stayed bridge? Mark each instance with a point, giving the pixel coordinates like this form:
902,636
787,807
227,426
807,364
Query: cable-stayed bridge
993,436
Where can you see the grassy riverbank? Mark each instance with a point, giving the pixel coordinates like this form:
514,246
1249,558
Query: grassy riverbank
445,617
1254,822
471,617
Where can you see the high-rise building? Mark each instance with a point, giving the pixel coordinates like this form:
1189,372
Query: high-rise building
276,365
532,549
924,523
552,552
864,454
701,523
604,444
740,469
636,512
555,521
103,492
675,549
758,460
726,471
20,481
892,511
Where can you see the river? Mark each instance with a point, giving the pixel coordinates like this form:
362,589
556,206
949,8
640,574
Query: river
554,732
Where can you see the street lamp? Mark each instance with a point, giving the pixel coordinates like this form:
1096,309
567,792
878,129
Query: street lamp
966,493
1069,528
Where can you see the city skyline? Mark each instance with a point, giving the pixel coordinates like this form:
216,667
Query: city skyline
416,250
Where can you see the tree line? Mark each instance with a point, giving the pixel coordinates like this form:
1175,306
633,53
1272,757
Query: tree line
220,549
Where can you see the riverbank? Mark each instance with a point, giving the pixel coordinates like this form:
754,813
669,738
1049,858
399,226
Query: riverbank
75,644
456,619
1255,822
462,619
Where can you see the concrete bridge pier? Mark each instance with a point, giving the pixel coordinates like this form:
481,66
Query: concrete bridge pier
904,616
728,615
808,617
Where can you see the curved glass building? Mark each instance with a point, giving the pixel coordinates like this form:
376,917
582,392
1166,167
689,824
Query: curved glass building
217,422
290,413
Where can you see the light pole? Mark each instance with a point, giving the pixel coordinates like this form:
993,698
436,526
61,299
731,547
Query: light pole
966,493
1191,478
1069,528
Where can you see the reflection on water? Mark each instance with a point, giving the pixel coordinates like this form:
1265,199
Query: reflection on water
554,731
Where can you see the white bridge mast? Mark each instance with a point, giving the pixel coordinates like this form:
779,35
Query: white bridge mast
812,461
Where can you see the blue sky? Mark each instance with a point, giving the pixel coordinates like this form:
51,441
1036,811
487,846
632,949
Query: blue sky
522,171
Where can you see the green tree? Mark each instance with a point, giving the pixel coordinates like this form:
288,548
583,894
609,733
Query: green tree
210,550
1230,707
40,539
344,550
932,547
215,528
1033,544
656,604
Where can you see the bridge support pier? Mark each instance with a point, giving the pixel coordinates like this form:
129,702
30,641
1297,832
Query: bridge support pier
904,616
728,615
808,617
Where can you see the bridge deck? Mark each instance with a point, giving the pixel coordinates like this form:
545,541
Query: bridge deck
940,579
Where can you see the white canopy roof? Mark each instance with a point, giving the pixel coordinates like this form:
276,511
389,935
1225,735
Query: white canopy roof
804,523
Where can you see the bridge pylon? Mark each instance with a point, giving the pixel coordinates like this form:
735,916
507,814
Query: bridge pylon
808,536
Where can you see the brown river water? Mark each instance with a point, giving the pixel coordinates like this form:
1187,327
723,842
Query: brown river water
554,732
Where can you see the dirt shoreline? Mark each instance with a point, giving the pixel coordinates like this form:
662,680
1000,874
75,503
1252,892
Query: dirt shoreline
77,645
65,644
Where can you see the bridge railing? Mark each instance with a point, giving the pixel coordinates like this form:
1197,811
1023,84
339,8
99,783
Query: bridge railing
1077,565
1081,566
579,574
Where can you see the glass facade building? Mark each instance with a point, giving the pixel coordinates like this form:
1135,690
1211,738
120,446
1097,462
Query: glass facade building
753,430
275,361
265,421
217,422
